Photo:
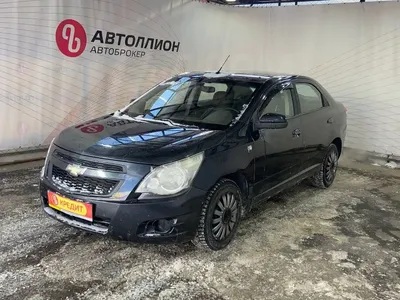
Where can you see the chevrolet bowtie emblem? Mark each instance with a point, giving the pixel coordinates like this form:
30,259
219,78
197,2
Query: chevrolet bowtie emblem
75,170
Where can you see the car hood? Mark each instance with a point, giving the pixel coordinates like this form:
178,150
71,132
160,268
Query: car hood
137,140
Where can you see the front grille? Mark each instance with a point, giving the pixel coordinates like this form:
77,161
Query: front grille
82,184
89,164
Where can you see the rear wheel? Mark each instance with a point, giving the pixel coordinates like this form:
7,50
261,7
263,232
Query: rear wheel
327,172
220,216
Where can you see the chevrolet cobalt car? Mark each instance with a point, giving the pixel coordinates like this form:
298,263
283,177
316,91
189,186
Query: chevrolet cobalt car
186,160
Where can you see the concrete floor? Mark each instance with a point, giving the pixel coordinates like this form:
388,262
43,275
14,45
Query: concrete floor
341,243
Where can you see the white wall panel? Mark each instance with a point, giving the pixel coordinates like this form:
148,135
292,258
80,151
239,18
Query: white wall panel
352,49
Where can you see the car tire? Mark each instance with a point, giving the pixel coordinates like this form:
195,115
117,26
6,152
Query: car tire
220,216
326,174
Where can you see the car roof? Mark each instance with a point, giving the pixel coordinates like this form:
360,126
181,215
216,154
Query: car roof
257,76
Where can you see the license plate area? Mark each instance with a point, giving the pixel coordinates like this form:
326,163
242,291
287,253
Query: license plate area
70,207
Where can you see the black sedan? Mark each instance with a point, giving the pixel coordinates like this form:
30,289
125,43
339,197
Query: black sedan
187,159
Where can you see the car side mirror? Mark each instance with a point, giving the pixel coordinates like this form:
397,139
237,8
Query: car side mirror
272,121
132,100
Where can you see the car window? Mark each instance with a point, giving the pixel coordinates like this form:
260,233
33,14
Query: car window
218,89
309,97
169,97
281,103
212,103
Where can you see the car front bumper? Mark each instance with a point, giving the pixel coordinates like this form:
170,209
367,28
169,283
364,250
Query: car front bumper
135,220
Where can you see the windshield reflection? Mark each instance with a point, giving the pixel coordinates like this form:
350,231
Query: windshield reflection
168,136
205,102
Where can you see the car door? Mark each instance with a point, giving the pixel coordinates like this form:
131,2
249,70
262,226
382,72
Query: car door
316,121
283,147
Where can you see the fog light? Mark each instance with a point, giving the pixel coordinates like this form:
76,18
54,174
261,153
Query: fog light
164,226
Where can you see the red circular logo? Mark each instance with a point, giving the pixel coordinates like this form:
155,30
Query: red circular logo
95,128
71,38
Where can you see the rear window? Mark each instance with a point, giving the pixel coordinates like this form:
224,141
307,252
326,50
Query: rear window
310,97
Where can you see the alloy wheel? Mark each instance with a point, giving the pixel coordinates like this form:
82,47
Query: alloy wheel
331,165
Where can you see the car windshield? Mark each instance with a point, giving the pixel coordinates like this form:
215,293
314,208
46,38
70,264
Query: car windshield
201,101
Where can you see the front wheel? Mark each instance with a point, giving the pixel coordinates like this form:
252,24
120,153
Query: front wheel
327,172
220,216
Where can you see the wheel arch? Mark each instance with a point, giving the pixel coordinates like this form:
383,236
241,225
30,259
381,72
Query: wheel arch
241,181
339,145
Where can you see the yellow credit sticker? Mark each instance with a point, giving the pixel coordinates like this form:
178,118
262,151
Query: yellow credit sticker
71,207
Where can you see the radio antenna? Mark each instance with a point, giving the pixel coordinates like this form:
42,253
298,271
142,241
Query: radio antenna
219,71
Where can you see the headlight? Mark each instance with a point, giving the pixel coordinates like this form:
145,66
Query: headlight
42,171
48,150
171,178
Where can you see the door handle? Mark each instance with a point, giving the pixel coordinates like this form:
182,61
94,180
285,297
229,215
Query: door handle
330,121
296,133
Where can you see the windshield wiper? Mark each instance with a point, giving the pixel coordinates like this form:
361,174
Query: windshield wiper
192,109
156,118
178,123
121,113
161,107
125,113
